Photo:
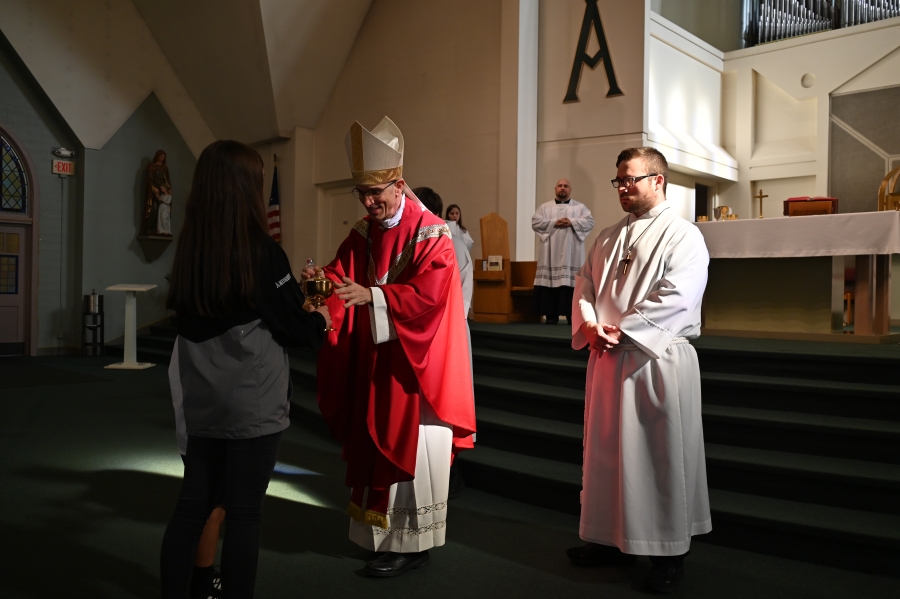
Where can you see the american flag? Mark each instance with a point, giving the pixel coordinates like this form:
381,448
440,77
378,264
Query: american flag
275,207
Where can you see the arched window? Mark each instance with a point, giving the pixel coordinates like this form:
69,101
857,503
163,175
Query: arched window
13,183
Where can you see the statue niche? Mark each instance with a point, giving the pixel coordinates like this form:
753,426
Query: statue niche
155,233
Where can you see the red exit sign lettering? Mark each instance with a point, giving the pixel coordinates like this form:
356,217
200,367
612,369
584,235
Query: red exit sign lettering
63,167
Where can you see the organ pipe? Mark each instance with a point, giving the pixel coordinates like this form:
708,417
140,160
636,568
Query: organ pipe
772,20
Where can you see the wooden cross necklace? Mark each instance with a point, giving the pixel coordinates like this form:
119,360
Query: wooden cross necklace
627,259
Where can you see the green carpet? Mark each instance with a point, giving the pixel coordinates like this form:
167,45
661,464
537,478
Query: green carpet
25,372
89,475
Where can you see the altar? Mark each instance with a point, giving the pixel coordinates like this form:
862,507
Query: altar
785,277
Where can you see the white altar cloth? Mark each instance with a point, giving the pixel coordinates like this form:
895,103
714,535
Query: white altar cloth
854,234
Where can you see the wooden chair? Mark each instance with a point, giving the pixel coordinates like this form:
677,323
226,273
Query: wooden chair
501,295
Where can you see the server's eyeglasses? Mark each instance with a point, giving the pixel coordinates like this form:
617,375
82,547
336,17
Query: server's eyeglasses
629,181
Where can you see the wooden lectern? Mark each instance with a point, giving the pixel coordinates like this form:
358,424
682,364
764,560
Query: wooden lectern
501,295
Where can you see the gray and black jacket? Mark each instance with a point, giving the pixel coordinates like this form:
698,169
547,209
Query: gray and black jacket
232,372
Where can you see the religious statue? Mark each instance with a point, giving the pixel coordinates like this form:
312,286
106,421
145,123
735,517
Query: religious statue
158,192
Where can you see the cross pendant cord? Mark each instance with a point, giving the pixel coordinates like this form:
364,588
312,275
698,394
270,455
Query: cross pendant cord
627,259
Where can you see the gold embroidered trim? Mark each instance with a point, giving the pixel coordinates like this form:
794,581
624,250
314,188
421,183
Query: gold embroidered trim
420,511
362,227
366,177
403,259
405,531
367,516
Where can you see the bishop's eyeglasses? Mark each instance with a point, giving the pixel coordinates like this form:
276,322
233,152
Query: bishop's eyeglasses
629,181
370,194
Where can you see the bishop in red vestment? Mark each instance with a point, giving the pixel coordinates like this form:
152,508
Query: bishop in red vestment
394,381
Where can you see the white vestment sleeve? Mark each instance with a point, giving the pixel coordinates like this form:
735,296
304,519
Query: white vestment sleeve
583,299
655,321
382,329
583,224
468,239
542,225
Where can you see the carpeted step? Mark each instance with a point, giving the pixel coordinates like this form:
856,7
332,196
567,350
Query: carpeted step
875,364
530,398
305,410
833,536
564,372
813,434
164,330
831,398
530,339
529,435
157,342
536,481
852,484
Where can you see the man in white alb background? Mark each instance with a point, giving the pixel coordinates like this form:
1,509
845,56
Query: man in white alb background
562,226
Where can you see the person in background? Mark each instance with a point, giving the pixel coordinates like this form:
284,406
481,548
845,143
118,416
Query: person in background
455,214
562,226
238,306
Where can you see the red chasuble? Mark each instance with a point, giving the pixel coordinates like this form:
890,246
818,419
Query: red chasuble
369,394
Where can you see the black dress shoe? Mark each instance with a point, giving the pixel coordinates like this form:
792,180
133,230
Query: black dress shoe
594,554
665,576
395,564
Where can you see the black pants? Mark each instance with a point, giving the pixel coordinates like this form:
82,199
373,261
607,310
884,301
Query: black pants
553,302
246,466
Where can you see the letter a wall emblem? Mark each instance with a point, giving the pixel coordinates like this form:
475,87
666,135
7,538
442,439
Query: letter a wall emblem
591,18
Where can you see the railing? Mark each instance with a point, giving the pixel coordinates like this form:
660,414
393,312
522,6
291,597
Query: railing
772,20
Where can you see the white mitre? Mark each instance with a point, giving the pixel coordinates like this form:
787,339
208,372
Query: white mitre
375,156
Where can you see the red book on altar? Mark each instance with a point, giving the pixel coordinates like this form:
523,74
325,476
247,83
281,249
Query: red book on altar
806,205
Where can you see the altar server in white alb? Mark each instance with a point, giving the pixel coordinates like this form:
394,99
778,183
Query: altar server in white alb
637,302
562,226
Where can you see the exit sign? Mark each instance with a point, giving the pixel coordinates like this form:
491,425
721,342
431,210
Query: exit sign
63,167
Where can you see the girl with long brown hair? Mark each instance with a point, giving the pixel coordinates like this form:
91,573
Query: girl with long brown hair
238,306
455,214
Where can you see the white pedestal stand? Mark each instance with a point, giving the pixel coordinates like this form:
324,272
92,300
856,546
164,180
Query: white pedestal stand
130,355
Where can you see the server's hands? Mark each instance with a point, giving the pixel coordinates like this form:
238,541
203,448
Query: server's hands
601,337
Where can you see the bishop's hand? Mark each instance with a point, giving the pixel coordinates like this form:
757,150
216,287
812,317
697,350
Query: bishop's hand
352,294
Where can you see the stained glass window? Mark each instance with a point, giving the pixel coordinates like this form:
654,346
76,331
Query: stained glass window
13,185
9,274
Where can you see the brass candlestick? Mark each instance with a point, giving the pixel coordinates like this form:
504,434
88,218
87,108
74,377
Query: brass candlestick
760,198
318,288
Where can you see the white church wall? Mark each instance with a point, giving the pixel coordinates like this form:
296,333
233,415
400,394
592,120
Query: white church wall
884,73
682,200
784,127
581,140
780,100
594,114
442,90
778,191
685,101
97,62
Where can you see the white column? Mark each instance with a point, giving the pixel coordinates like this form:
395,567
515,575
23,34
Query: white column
129,352
526,168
